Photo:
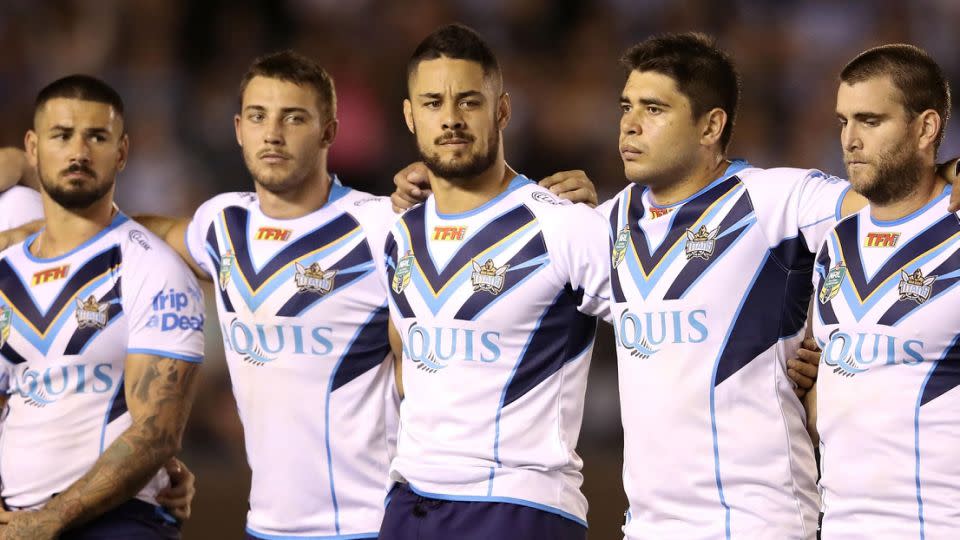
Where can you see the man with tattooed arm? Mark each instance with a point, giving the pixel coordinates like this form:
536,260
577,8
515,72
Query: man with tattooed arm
100,340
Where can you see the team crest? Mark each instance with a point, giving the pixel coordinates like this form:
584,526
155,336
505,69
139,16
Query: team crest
91,314
700,244
488,277
6,320
314,279
620,246
831,285
401,278
226,264
916,286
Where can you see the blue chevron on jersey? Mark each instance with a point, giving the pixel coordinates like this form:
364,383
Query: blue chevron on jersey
40,327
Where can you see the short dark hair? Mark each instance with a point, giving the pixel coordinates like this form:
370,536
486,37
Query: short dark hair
459,42
82,87
703,72
918,77
295,68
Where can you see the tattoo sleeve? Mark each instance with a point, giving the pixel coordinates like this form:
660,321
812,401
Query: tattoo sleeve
159,393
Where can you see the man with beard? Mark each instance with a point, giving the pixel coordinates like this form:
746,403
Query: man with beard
100,339
303,316
886,311
304,323
494,297
709,260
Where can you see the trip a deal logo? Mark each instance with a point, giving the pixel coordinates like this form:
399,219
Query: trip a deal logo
175,309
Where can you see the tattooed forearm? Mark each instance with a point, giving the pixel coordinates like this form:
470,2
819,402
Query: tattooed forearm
159,392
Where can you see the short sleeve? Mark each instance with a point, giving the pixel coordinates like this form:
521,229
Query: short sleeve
19,205
582,252
163,304
818,206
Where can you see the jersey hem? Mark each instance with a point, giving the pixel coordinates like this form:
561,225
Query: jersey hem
167,354
265,536
507,500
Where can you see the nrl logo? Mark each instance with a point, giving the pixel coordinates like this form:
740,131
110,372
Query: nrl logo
91,314
831,285
488,277
6,319
915,286
700,244
314,279
226,264
401,278
620,246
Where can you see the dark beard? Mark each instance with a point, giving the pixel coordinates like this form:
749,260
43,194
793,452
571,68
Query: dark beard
473,167
74,199
895,180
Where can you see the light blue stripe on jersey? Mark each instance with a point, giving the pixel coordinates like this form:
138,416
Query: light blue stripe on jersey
264,536
853,301
503,394
441,268
916,444
436,303
747,223
333,373
543,261
42,344
255,300
167,354
507,500
645,285
106,414
713,390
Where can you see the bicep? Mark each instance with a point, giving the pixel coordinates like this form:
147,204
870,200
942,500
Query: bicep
176,237
396,346
160,390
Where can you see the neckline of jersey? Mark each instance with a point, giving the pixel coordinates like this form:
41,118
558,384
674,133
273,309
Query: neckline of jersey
117,220
337,192
516,182
736,165
900,221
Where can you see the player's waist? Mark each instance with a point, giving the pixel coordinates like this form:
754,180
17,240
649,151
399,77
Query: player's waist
355,516
556,491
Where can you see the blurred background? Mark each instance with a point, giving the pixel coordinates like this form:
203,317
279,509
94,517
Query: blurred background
178,63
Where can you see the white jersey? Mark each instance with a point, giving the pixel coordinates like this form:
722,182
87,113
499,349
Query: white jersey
888,322
304,322
496,308
67,325
709,299
19,205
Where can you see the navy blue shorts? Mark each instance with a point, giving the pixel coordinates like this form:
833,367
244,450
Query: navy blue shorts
132,519
412,517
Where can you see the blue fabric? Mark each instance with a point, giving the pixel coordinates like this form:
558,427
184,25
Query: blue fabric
412,517
132,519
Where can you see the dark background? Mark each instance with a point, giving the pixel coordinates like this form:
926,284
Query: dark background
178,63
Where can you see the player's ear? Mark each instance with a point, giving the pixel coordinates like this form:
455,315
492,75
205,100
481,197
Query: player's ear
124,151
504,110
711,126
930,123
236,129
329,133
408,116
30,144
